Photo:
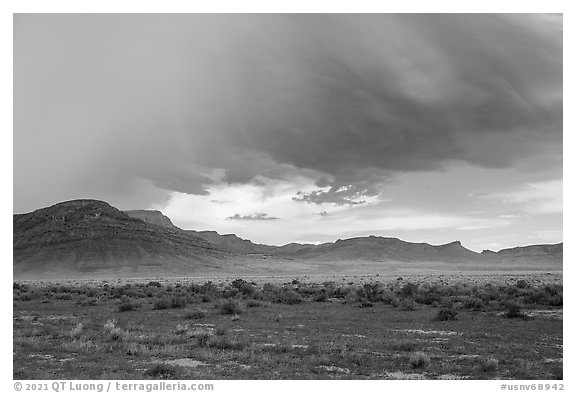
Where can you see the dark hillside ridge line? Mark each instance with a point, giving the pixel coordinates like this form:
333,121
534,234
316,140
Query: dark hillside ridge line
234,242
89,236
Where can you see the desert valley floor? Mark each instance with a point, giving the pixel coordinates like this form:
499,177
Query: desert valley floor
496,325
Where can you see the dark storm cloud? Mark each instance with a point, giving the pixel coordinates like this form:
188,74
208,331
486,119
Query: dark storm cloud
252,217
339,196
186,101
406,93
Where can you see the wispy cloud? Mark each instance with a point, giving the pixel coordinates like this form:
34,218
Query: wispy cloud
252,217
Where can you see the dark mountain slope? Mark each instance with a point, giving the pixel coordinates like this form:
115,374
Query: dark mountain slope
90,235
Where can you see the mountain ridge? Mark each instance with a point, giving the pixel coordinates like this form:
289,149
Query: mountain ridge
89,236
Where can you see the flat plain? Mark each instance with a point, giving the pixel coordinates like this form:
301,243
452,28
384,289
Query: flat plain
428,326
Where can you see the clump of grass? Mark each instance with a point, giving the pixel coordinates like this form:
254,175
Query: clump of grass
365,303
223,342
446,314
127,305
419,360
178,302
181,328
112,331
163,371
489,365
76,331
203,339
164,303
134,349
407,346
229,306
253,303
522,284
321,297
196,314
243,287
513,310
407,305
161,304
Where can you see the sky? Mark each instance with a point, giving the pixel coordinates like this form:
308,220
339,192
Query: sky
298,128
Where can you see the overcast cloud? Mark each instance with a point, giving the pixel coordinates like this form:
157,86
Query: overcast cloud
333,110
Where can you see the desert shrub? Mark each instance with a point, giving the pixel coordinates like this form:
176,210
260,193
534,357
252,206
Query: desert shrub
178,302
268,287
163,371
161,304
154,284
63,296
428,298
523,370
489,365
408,290
206,298
208,288
320,297
419,360
27,296
472,303
406,346
522,284
223,342
87,302
196,314
229,306
127,305
253,303
446,314
203,339
407,305
134,349
548,295
173,302
371,292
230,292
352,296
514,310
131,292
181,328
388,297
286,296
221,331
244,287
365,303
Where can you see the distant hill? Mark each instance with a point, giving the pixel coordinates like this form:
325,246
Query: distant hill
87,236
233,242
229,242
375,248
90,238
538,252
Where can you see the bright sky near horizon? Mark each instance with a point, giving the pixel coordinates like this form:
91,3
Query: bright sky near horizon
305,128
